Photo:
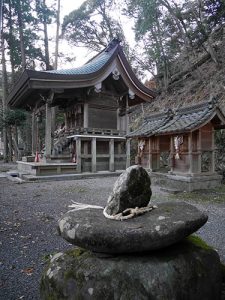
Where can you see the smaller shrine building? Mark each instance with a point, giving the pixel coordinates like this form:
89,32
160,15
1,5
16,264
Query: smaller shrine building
179,146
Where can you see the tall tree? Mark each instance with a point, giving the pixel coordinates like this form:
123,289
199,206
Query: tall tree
57,35
92,25
21,35
45,15
166,29
4,95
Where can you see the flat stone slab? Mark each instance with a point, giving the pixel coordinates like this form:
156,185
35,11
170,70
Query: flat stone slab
168,224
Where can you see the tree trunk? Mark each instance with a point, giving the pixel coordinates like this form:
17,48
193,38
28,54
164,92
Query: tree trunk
1,6
4,95
9,134
20,23
11,44
56,61
47,61
57,37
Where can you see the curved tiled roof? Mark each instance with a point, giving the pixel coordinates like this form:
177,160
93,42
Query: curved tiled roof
183,120
90,67
151,125
24,92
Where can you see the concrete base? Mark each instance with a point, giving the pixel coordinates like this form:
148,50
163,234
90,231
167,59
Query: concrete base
185,183
28,158
64,177
43,169
56,171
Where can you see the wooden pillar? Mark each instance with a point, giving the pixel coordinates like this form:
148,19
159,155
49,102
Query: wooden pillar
199,150
93,154
128,153
48,132
190,156
213,152
171,154
85,115
158,153
111,156
118,119
150,154
34,133
78,152
127,117
85,147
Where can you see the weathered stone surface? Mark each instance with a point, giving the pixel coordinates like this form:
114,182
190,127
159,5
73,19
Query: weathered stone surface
182,271
132,189
164,226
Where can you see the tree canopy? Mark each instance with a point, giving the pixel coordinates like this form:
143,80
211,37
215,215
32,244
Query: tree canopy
92,25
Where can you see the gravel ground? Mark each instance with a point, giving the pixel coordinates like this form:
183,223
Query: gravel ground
28,220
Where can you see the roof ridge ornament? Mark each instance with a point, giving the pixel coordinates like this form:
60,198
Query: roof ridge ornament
116,74
213,102
98,87
169,113
131,94
112,44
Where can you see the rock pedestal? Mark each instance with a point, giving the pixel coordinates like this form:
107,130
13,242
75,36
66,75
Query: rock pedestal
184,271
151,256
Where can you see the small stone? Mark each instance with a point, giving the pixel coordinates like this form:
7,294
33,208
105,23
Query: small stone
90,291
132,189
157,228
161,218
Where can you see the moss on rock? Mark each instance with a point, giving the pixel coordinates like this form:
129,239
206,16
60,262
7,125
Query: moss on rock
197,241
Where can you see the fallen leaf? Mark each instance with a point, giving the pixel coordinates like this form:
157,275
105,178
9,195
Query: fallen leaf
28,271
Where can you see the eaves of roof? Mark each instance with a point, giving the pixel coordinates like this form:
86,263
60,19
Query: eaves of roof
184,120
79,77
187,119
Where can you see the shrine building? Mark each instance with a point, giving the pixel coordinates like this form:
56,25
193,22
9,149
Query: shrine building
95,100
178,148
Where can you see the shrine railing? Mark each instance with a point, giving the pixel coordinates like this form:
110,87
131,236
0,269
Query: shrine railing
95,131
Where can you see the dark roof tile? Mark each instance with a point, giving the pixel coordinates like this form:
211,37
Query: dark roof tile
91,67
183,120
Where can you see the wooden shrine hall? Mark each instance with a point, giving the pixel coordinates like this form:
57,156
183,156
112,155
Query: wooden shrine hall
95,100
179,148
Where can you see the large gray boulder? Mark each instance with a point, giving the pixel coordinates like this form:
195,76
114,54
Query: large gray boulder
159,228
189,270
132,189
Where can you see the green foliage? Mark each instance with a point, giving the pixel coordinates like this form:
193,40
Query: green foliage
92,25
33,12
166,29
15,117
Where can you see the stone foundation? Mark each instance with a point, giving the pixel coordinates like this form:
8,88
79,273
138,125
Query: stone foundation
186,183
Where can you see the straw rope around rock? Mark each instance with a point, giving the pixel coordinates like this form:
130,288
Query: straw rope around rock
128,213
